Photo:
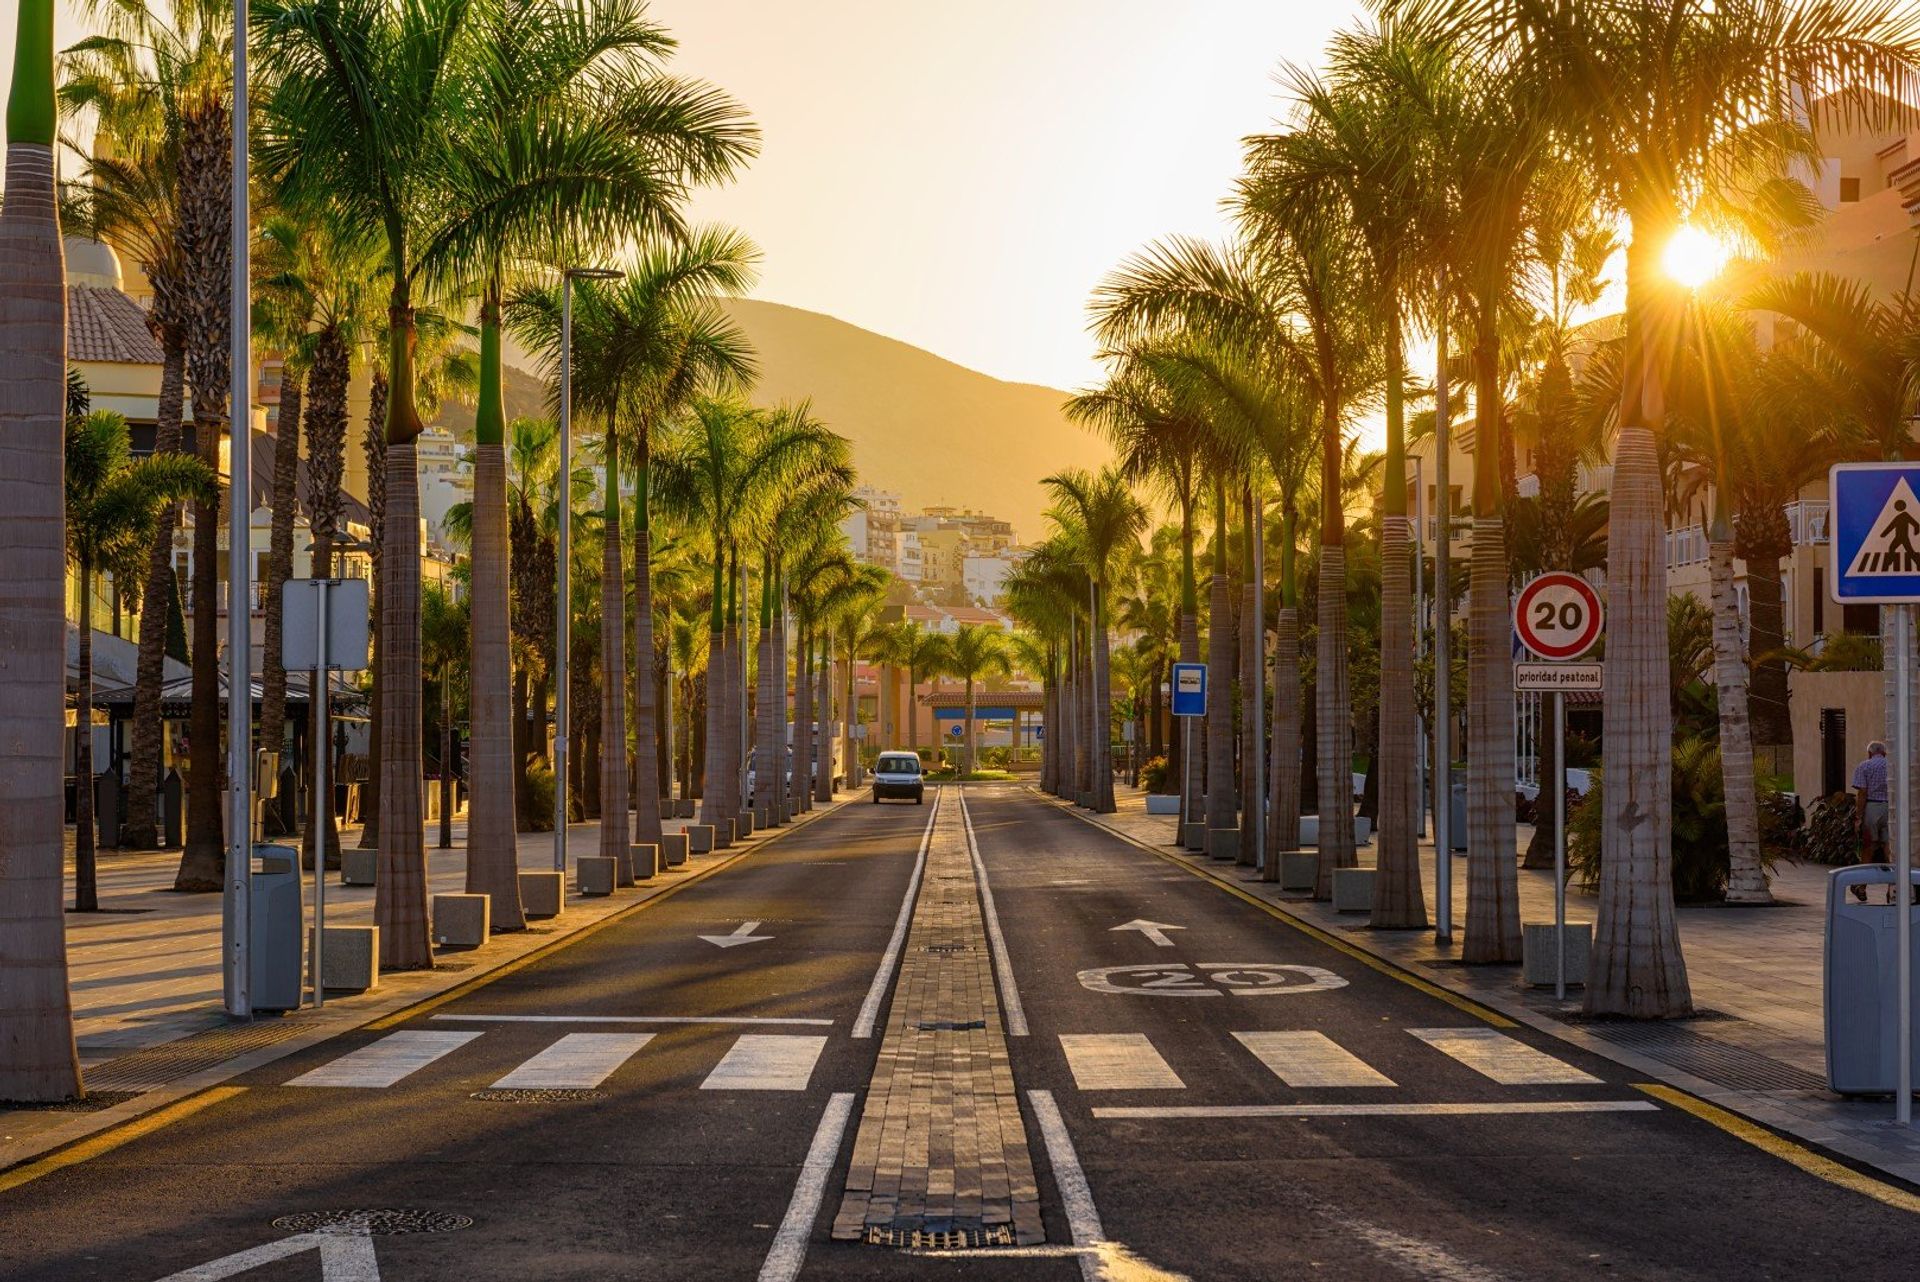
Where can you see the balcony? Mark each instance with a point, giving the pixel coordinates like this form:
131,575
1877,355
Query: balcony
1807,519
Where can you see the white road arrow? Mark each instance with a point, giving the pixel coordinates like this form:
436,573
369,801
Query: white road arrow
743,934
1154,930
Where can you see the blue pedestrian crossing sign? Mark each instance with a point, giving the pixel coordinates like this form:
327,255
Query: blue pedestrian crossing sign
1875,510
1189,689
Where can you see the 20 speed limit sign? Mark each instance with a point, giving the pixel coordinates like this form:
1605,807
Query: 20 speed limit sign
1558,616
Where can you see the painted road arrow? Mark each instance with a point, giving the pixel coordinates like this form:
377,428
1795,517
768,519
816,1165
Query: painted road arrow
1154,930
743,934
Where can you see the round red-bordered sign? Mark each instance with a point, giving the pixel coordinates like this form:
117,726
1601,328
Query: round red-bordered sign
1558,616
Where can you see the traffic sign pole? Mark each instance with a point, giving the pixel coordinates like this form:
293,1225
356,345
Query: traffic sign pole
1903,859
1560,845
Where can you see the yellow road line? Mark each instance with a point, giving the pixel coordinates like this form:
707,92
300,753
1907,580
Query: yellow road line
1824,1168
105,1142
1357,953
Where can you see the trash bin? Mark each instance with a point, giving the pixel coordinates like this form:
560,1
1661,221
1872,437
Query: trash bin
1862,976
274,928
1457,821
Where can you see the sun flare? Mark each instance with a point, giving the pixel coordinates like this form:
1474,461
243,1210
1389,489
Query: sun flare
1693,257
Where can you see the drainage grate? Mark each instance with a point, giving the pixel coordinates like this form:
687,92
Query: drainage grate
93,1102
957,1239
156,1066
1714,1059
535,1095
453,965
950,1025
948,948
384,1223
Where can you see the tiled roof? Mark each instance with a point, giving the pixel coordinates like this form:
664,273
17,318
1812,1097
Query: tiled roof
260,474
105,325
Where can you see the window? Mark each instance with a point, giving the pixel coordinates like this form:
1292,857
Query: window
1849,190
1862,620
1819,599
1833,751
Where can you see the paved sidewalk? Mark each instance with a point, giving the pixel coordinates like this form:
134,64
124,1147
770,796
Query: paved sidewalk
1756,1048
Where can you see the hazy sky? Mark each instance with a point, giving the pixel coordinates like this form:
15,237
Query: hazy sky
960,176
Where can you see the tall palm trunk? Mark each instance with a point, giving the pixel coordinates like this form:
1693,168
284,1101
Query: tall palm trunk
1746,881
647,723
273,674
374,441
966,765
1333,712
326,431
1252,684
1222,803
86,893
851,751
1190,758
1283,770
823,743
1493,893
39,1062
799,784
615,834
766,760
141,829
782,713
1399,900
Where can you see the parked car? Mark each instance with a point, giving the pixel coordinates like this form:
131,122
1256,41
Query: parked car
897,774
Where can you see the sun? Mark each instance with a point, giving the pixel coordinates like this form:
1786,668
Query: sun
1693,257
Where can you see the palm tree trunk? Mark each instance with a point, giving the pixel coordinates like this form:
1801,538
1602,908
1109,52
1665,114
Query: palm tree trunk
1333,723
203,861
497,702
141,829
1767,691
400,892
799,785
273,674
374,441
1283,767
851,752
1746,880
86,894
966,765
1399,900
1103,801
615,835
823,744
446,760
1251,687
36,1011
647,721
1222,803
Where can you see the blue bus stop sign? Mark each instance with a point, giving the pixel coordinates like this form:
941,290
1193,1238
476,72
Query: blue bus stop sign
1875,510
1189,689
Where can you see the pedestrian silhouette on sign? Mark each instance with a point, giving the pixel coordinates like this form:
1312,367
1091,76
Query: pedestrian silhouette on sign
1901,556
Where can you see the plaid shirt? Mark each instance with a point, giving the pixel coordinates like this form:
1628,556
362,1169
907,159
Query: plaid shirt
1870,777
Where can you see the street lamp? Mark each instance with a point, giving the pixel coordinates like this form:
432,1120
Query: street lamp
563,589
236,918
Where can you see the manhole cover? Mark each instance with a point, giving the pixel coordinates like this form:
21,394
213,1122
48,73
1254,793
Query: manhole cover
949,948
538,1095
960,1239
950,1025
384,1223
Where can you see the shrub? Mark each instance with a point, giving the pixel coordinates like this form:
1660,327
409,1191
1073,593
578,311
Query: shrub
1154,774
1699,825
1833,832
539,816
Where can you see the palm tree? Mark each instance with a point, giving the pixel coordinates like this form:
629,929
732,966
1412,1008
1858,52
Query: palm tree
444,629
1045,593
1656,155
36,1012
819,572
974,651
112,505
1103,517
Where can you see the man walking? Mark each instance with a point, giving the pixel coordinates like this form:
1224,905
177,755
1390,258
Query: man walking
1870,806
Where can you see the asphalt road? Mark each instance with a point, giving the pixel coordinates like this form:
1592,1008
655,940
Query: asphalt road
1296,1123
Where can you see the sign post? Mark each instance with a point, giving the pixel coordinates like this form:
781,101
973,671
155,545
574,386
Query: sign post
1876,560
325,632
1189,701
1558,616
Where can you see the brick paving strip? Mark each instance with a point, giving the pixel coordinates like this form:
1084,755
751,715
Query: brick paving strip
941,1156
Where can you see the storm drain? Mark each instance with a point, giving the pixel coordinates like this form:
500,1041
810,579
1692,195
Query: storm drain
948,948
93,1102
950,1025
921,1239
156,1066
1715,1059
535,1095
383,1223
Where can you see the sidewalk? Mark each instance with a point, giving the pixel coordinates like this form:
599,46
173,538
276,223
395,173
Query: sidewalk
1756,1046
146,983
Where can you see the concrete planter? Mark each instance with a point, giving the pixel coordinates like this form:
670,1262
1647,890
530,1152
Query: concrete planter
699,839
762,818
1158,804
358,867
646,860
744,824
1223,843
543,894
1299,870
1193,836
683,808
725,833
1541,958
350,962
461,921
595,873
1353,890
1310,830
673,849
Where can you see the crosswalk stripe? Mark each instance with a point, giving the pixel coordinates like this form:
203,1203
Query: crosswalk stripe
766,1062
1117,1062
1311,1059
577,1061
386,1061
1493,1054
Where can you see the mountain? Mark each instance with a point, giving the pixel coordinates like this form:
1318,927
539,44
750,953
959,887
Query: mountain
930,430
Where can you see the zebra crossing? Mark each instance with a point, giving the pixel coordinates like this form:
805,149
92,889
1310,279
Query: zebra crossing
1310,1059
575,1061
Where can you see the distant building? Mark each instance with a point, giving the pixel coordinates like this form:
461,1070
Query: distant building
985,577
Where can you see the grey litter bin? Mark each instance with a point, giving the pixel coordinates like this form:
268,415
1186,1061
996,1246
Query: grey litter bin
275,928
1862,974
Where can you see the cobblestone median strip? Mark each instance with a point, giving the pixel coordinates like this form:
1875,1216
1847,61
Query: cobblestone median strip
941,1157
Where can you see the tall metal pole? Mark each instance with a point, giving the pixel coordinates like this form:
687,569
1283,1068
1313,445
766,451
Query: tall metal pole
315,814
238,915
1420,633
1256,731
1442,648
1903,861
563,589
1560,845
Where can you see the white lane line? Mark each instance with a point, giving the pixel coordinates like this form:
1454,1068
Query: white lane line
1311,1059
578,1061
632,1019
1506,1060
1204,1112
1016,1015
1076,1197
789,1250
1117,1062
385,1061
883,977
766,1062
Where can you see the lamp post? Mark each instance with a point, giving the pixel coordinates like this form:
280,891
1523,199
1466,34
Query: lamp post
563,588
237,916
